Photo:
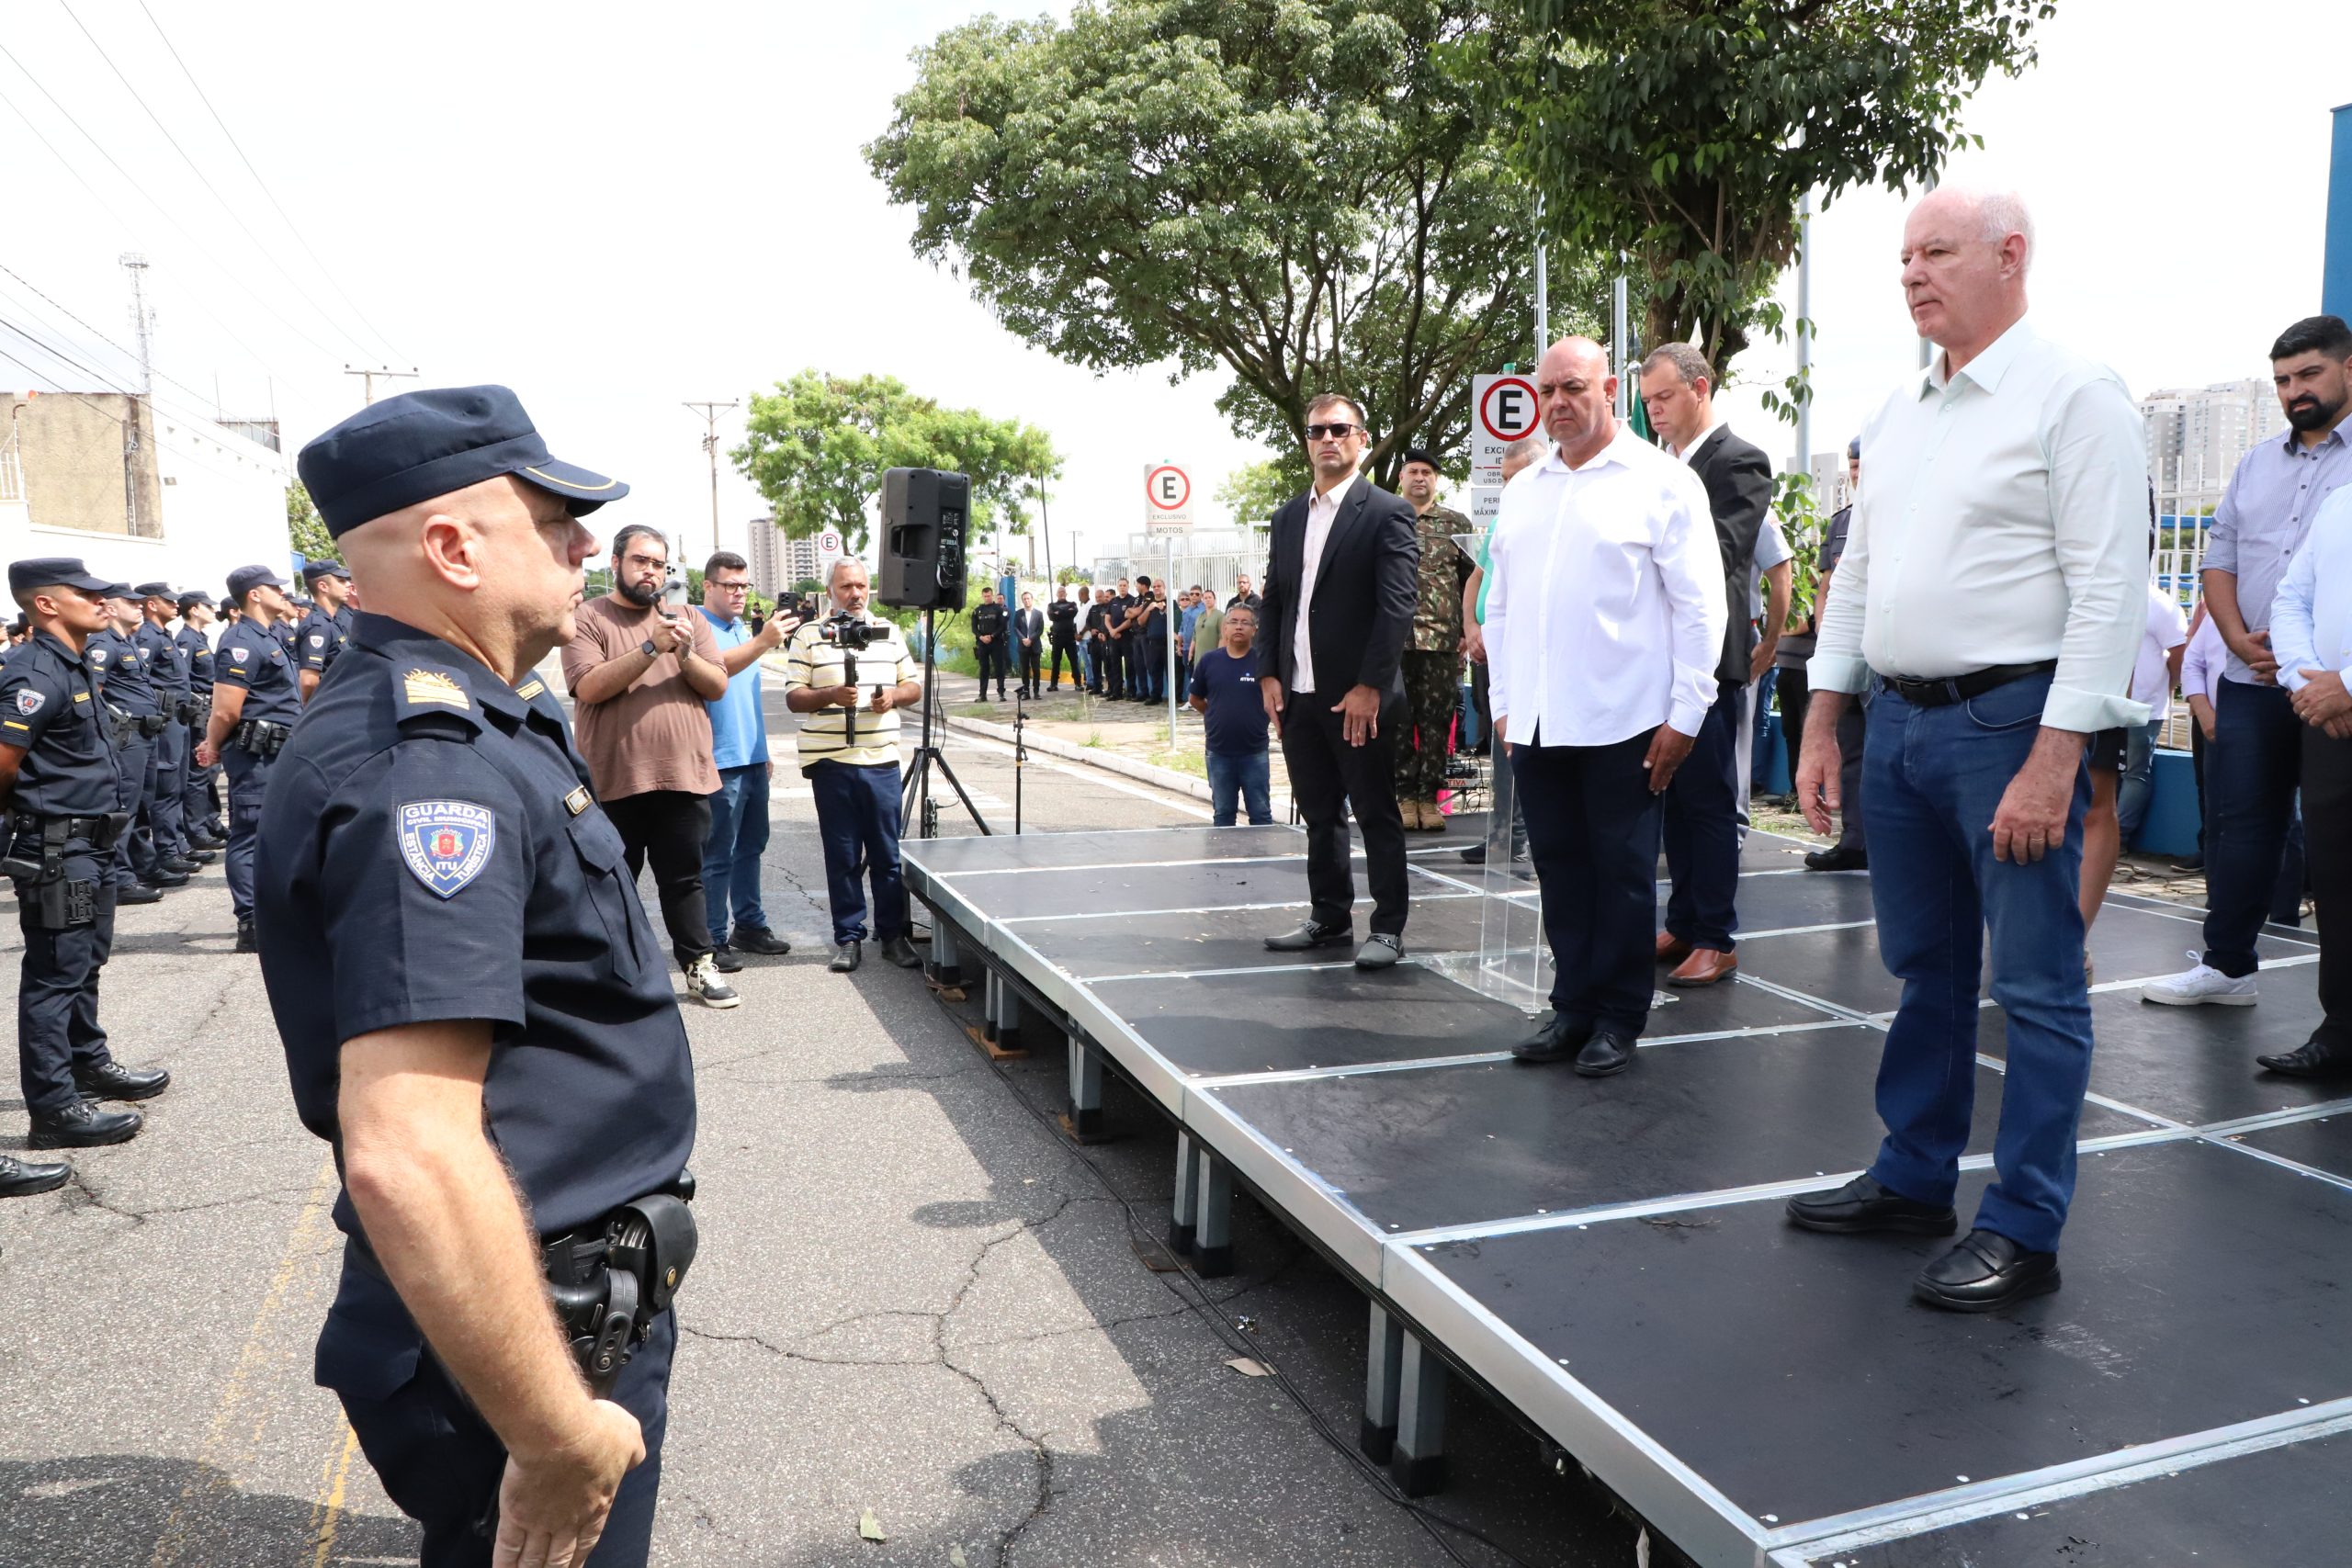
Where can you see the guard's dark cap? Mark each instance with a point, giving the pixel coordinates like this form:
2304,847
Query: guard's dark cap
1854,447
155,591
1417,455
196,596
313,571
122,590
420,444
65,571
246,579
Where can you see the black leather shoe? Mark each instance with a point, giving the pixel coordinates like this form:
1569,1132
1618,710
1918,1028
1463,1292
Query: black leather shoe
183,868
114,1081
726,961
84,1125
1313,934
897,949
1837,858
2312,1059
202,854
1606,1054
166,877
248,940
1560,1038
1863,1205
845,958
759,940
1984,1271
139,893
22,1178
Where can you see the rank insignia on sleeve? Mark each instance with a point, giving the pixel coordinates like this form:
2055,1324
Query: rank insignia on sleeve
433,686
530,688
28,701
578,800
445,843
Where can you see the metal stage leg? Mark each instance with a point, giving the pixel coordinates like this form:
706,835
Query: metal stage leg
1085,1118
1212,1240
1186,1212
1383,1366
945,968
1003,1011
1418,1466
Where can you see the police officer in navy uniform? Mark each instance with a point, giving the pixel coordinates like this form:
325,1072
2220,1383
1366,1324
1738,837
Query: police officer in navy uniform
167,670
255,705
60,792
142,868
475,1010
321,635
198,808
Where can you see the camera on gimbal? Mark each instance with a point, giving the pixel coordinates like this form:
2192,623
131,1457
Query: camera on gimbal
852,633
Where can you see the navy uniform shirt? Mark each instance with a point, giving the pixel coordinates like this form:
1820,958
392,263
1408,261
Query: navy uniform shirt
430,850
49,705
317,640
253,658
119,667
166,669
196,654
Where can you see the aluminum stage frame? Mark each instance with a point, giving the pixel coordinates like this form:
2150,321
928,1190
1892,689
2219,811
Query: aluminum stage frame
1609,1258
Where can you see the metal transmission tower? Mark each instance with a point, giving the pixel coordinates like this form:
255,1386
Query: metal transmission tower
143,319
710,412
367,377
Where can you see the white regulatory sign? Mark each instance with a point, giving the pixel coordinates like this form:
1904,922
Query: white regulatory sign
1166,498
1502,409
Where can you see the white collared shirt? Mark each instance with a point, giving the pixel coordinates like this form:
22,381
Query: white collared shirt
1322,510
2311,619
2006,521
1605,607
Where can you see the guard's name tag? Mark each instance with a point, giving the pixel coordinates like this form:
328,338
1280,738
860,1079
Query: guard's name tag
578,800
445,843
529,688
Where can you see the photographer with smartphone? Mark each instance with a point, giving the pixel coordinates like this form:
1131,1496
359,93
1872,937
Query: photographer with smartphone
641,669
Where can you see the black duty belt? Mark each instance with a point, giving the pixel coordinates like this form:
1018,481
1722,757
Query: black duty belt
153,723
101,831
261,736
1960,688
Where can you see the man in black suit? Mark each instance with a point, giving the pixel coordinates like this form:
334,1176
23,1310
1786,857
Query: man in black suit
1337,610
1702,827
1028,646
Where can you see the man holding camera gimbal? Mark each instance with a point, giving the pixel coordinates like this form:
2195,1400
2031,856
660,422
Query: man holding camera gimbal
851,673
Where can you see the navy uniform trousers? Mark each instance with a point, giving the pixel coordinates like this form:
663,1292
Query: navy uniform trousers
439,1461
197,803
57,996
164,813
248,782
135,854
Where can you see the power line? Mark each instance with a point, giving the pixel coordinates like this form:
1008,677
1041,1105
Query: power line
35,290
264,251
291,226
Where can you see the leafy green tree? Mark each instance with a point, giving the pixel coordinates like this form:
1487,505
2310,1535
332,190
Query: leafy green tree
305,528
1684,132
1313,193
1252,491
818,445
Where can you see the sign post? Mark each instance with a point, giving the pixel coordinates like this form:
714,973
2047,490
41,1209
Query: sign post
1166,498
1503,409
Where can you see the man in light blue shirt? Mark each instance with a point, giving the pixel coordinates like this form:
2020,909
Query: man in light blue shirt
2310,636
738,740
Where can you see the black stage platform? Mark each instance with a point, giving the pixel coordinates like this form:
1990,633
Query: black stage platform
1610,1257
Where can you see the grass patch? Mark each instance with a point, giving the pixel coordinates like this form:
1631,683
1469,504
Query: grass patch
1093,739
1193,763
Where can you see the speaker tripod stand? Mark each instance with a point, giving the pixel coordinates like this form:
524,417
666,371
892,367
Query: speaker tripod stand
917,805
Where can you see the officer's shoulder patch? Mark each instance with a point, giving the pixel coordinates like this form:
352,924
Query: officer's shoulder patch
445,843
318,640
28,701
236,652
97,656
424,687
530,688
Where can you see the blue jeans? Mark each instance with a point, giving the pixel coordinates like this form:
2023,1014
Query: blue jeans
730,857
1245,774
857,820
2252,765
2138,785
1934,778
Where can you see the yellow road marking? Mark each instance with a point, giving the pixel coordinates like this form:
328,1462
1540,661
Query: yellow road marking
326,1514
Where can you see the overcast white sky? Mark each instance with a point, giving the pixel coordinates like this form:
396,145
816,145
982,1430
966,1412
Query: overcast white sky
616,209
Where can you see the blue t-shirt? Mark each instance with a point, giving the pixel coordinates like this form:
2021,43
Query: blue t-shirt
1236,718
739,730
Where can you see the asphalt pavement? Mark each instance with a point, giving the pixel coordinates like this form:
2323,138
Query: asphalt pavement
916,1300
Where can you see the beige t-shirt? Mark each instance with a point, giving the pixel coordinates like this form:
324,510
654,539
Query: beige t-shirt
656,733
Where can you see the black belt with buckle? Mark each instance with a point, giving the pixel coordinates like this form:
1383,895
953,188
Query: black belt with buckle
1960,688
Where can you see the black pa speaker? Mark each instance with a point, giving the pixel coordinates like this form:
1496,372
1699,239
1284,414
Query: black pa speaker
923,513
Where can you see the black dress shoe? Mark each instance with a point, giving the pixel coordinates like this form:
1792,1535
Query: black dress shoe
726,961
248,938
1560,1038
845,958
22,1178
114,1081
164,877
1837,857
1606,1054
1313,934
759,940
139,893
202,854
1380,951
1984,1271
84,1125
183,868
2312,1059
1863,1205
897,949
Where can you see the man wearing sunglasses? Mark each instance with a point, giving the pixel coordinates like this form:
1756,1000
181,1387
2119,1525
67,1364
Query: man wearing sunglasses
1337,610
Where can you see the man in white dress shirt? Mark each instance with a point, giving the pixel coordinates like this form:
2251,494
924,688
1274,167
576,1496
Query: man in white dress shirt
2008,478
1605,615
2311,634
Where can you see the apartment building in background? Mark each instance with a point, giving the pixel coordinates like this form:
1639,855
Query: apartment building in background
2195,437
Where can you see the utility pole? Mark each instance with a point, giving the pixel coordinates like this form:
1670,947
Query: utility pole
1804,333
710,412
1045,526
142,321
1619,329
367,375
1542,287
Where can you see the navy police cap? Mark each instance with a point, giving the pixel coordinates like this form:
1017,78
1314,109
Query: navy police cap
313,571
63,572
246,579
420,444
155,591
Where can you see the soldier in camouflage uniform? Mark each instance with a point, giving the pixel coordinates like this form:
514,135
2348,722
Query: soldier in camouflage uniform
1433,656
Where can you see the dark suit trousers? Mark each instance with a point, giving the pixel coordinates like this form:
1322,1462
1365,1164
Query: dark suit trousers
2327,851
1701,828
1326,777
1592,833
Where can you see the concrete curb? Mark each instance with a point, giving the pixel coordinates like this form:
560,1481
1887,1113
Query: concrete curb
1092,756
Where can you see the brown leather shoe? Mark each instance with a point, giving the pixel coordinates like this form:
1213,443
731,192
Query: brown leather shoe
1705,966
1671,949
